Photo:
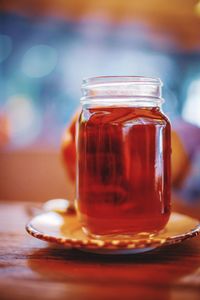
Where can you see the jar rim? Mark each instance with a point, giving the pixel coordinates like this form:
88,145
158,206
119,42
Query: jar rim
120,89
104,80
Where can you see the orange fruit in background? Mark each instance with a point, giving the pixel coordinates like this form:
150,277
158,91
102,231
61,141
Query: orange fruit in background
180,160
68,149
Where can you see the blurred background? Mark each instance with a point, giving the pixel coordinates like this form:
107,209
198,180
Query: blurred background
48,46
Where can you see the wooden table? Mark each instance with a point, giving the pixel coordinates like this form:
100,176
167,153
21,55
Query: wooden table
32,269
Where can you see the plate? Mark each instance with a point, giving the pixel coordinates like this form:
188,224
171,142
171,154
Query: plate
64,229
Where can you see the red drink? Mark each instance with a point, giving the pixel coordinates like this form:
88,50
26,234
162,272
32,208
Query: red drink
123,169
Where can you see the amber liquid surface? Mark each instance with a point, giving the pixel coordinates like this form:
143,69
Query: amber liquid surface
123,170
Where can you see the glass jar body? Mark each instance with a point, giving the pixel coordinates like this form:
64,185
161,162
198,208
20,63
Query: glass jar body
123,169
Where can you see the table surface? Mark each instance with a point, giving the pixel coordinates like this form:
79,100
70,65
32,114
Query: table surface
33,269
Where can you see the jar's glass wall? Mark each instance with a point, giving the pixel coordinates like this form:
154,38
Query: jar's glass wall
123,168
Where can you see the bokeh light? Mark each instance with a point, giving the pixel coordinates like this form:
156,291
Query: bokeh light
39,61
24,120
191,111
5,46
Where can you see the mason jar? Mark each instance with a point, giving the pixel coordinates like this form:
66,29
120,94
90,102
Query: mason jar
123,157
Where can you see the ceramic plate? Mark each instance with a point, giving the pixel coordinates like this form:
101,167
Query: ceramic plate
64,229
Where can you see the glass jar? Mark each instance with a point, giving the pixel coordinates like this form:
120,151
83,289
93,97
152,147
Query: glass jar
123,157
